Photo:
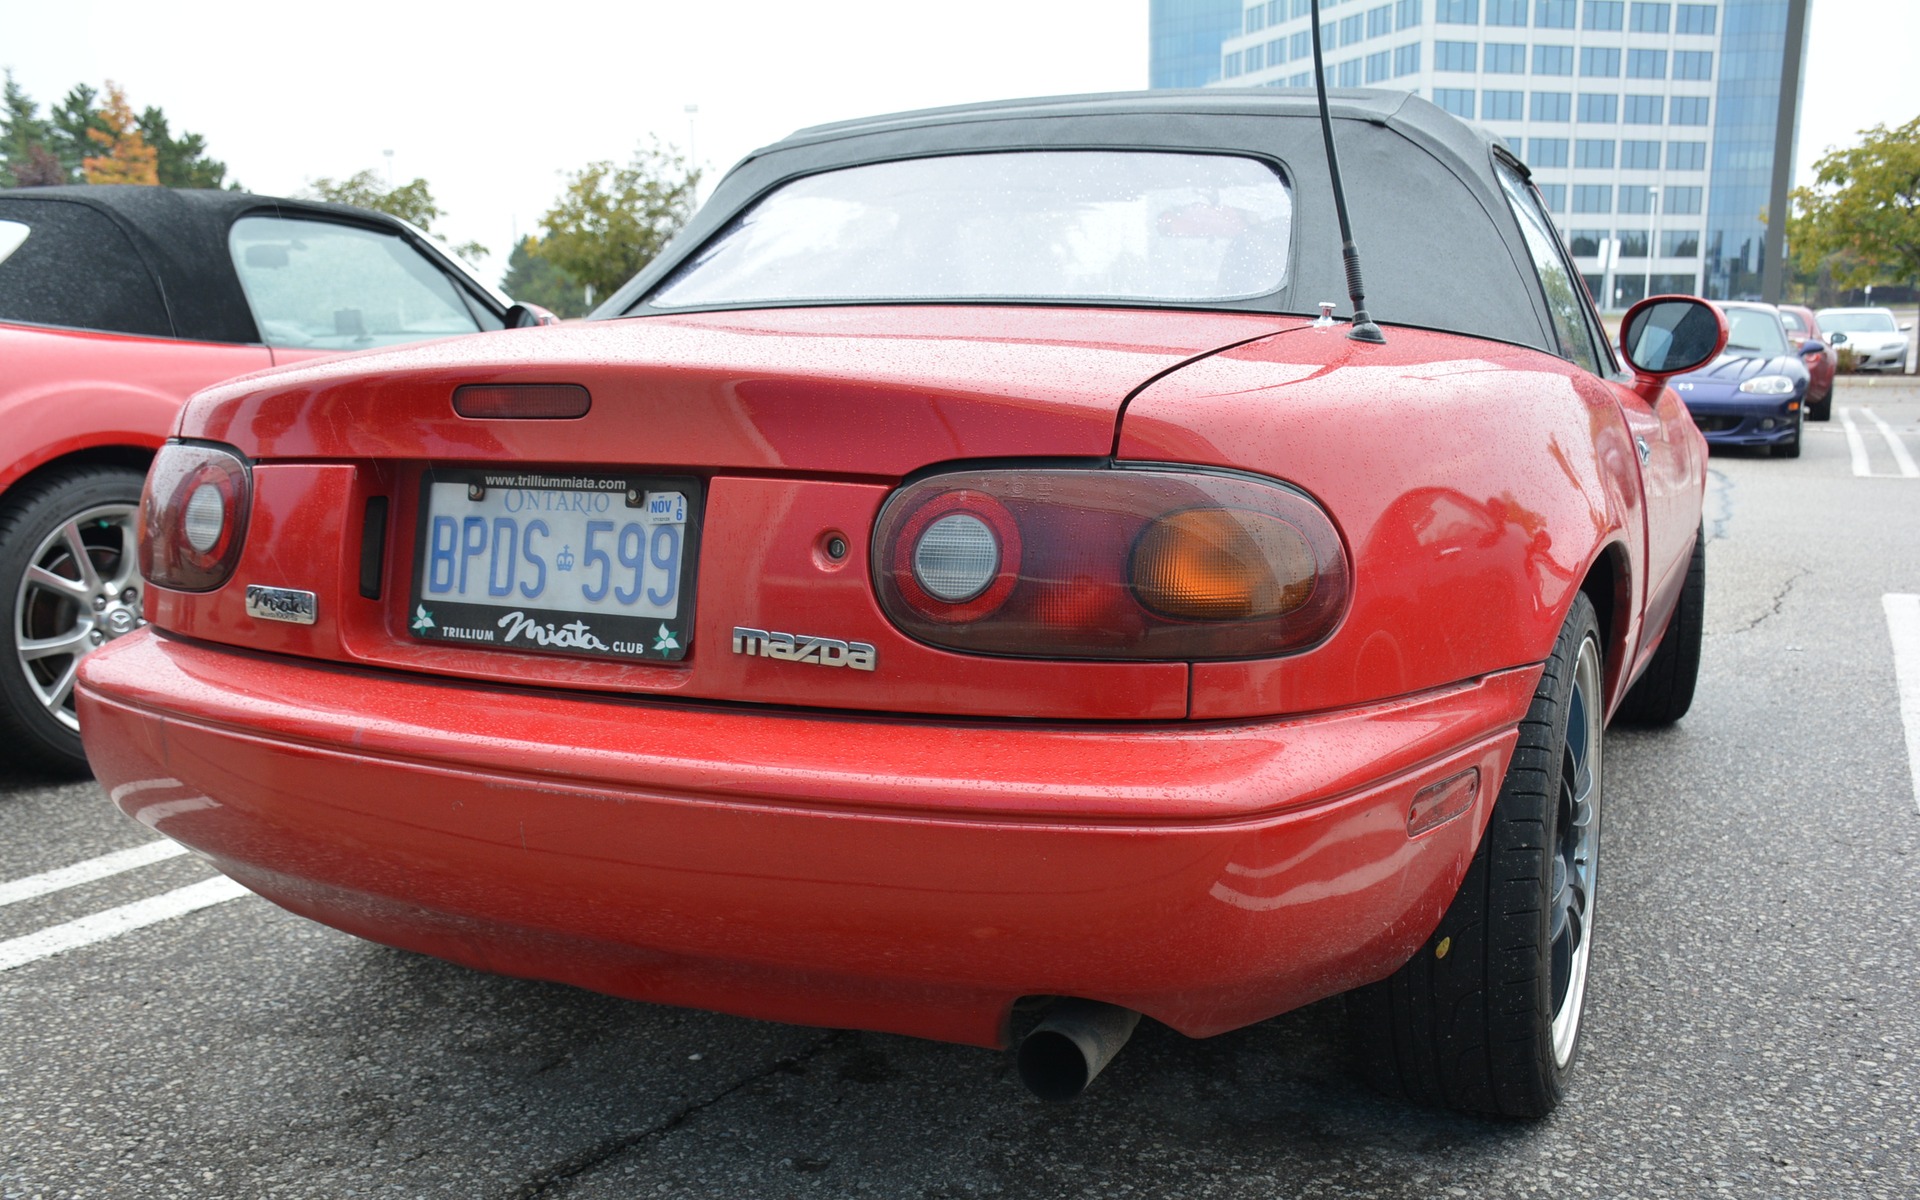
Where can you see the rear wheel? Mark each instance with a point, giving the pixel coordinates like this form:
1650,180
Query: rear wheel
69,583
1485,1018
1822,409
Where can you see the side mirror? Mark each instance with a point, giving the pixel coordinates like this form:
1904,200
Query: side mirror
1812,348
1906,327
1671,335
1839,339
526,316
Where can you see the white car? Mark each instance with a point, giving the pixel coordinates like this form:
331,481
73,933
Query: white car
1879,343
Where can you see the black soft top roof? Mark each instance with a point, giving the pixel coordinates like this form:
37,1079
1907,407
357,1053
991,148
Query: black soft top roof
1440,244
179,236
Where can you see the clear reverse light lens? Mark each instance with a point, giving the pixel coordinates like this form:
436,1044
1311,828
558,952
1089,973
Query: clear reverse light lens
206,516
1769,385
956,558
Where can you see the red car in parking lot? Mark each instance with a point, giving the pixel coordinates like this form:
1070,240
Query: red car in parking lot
116,304
1821,360
967,568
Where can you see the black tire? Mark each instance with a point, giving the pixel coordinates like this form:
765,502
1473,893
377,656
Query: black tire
1485,1017
1664,691
36,731
1791,447
1821,409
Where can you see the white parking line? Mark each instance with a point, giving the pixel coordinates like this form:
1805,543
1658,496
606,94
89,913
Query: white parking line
1856,445
1903,624
1899,448
100,926
13,891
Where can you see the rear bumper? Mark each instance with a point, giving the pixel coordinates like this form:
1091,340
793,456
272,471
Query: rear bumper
846,870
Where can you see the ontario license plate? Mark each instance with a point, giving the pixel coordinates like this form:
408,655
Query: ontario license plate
553,562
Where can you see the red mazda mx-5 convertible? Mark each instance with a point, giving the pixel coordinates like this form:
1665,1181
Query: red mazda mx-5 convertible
966,569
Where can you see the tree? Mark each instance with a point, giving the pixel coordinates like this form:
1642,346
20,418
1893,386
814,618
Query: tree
124,154
531,278
1862,216
183,161
611,221
412,202
72,119
25,157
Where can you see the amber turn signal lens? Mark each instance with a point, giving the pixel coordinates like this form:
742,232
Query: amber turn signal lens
1223,564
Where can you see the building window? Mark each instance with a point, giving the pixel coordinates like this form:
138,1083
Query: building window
1406,60
1552,106
1603,14
1301,45
1680,243
1505,58
1276,11
1302,7
1636,198
1506,12
1554,196
1676,285
1230,66
1694,18
1553,60
1693,64
1553,14
1595,154
1380,21
1456,56
1645,110
1456,12
1598,108
1585,243
1353,30
1350,73
1303,79
1255,59
1689,110
1640,156
1547,152
1379,66
1255,19
1593,197
1686,156
1633,242
1600,62
1276,52
1406,14
1681,201
1458,101
1651,18
1503,106
1646,64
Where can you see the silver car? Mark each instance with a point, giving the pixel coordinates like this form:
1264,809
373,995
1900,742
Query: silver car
1878,341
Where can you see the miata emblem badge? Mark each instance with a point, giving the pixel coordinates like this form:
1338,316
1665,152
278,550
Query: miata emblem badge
801,648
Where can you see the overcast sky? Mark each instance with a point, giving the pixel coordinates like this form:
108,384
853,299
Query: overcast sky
493,104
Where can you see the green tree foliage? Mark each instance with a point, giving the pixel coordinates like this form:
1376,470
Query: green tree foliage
412,202
611,221
1861,218
26,155
41,152
532,279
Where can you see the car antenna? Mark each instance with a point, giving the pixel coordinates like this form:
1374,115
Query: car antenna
1364,330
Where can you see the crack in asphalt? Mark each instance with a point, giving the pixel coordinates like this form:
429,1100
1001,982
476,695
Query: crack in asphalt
1779,598
562,1175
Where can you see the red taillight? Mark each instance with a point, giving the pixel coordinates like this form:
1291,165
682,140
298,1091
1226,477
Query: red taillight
1139,563
193,517
522,401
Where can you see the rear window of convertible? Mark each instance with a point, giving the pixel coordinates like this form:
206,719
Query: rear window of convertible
1025,225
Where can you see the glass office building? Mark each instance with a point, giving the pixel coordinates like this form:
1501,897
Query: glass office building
1649,125
1184,39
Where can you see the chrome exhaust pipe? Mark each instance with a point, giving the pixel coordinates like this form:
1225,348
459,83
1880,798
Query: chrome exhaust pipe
1075,1042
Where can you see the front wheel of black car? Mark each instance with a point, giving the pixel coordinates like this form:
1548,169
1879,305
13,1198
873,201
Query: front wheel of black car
1791,447
1485,1018
69,583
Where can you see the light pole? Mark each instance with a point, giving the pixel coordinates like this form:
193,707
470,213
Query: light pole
1653,221
389,155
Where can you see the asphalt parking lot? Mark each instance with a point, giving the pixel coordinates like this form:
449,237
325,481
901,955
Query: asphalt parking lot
1753,1029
